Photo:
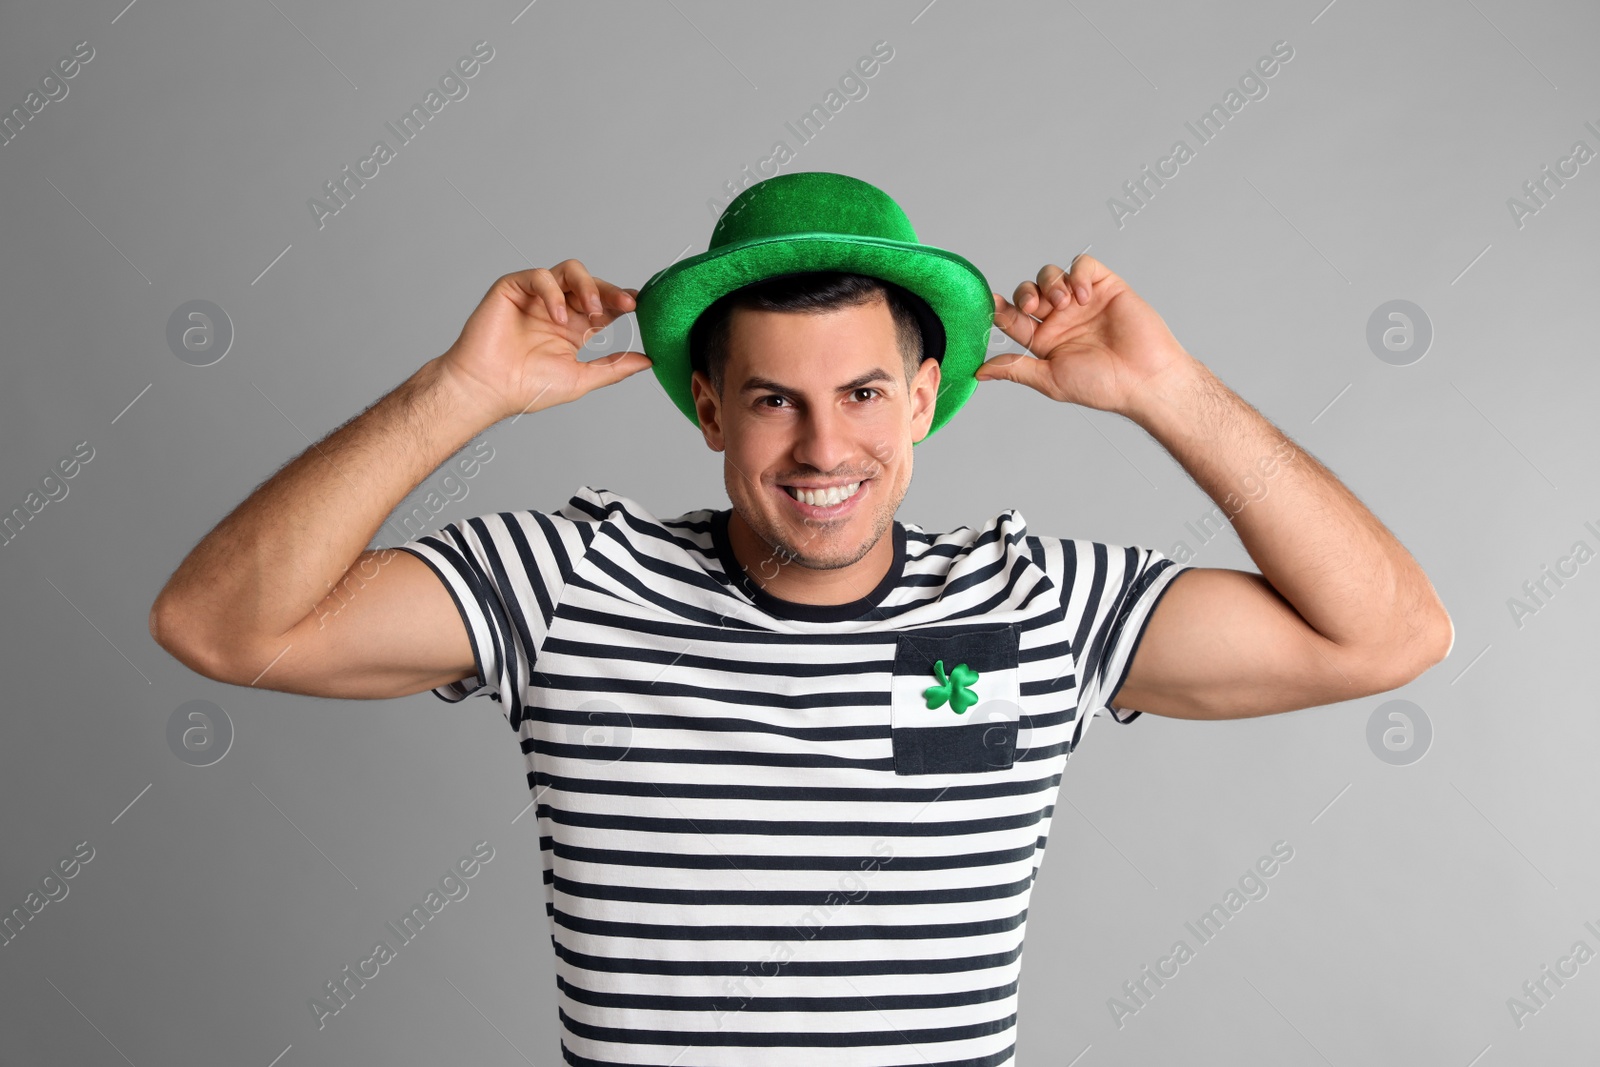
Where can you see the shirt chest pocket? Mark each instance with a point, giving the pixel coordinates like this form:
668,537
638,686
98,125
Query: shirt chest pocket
955,700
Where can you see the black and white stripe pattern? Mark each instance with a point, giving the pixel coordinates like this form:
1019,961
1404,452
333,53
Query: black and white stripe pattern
743,865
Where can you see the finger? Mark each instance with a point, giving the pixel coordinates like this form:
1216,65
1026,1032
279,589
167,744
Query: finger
541,284
1016,323
1017,367
616,302
1027,299
1082,274
1053,286
611,368
616,297
1038,302
583,295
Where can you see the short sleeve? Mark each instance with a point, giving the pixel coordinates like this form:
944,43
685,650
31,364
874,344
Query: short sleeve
1108,594
506,573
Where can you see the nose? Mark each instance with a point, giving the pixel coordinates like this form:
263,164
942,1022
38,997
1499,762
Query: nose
824,440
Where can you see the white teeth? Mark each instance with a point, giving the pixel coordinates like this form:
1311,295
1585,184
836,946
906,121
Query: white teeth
825,497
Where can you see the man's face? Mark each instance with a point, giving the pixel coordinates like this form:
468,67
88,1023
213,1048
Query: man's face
816,399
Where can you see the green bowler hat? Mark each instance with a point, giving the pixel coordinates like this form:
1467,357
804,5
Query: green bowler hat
818,221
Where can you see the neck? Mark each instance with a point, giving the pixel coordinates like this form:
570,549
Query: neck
803,578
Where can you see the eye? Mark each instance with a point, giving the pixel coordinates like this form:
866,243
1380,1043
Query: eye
770,396
867,389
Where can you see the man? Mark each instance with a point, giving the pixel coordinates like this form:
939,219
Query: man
795,760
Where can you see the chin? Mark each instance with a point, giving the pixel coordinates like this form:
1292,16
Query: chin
817,541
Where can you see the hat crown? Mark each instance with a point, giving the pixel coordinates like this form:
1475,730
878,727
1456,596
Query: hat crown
809,222
811,202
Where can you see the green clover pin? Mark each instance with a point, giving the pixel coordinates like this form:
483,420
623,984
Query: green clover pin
955,688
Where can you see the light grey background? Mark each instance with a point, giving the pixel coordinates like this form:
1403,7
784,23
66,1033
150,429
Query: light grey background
1377,167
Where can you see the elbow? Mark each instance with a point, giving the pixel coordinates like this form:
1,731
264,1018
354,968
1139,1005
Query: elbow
1439,638
171,627
1446,641
155,623
166,623
1411,655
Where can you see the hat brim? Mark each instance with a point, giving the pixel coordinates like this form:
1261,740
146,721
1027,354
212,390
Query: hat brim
670,302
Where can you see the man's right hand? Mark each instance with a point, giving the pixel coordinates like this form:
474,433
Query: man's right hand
518,351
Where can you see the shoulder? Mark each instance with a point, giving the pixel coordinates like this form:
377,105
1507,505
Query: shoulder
1099,579
993,566
552,541
632,523
1086,570
593,507
1006,532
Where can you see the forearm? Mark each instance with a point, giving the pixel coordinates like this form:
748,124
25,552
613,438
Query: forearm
1340,568
273,559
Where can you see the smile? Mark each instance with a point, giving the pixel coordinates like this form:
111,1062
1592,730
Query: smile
825,503
824,497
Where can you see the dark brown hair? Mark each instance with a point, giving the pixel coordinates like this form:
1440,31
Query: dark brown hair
816,291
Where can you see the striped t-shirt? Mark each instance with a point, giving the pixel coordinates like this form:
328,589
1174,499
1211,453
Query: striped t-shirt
786,834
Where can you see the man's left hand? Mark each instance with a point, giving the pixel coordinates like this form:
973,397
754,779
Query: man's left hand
1098,344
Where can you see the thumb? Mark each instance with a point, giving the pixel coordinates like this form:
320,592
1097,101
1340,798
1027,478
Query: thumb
612,368
1015,367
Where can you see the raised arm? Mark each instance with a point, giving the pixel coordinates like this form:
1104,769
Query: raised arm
1340,609
283,594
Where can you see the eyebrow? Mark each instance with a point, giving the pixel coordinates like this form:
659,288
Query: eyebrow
756,383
